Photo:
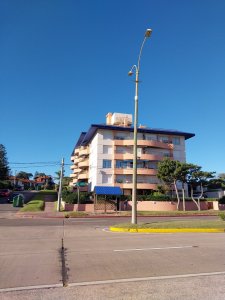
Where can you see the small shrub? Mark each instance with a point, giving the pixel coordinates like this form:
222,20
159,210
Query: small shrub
222,200
222,216
34,205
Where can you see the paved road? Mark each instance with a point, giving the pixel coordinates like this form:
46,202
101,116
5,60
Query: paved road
113,265
7,210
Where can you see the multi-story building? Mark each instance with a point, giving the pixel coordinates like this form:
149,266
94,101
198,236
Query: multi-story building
103,156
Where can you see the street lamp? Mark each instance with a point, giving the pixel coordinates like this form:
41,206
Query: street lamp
130,73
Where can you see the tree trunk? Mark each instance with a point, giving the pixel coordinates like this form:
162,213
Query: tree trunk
178,197
196,203
183,195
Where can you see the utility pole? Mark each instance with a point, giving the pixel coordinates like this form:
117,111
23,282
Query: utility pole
14,181
60,186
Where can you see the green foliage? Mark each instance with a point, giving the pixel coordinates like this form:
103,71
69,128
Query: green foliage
222,200
72,197
4,168
75,214
5,184
126,197
155,197
24,175
34,205
167,170
222,216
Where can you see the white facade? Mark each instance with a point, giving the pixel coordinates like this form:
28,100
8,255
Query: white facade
108,150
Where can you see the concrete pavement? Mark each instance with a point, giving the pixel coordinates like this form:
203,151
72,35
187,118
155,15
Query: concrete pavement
112,265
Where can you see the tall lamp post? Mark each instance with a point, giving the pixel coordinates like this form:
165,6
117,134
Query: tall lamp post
137,71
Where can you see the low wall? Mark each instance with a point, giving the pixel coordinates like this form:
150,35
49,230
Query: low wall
151,206
166,205
79,207
216,206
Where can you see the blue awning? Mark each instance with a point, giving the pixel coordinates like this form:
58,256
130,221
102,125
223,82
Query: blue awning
108,190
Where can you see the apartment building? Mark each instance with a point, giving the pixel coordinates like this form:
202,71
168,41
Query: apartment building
103,156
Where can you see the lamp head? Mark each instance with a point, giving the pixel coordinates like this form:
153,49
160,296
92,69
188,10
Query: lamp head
148,32
130,73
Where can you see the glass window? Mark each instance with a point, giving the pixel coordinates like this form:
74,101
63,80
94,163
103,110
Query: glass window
107,149
176,140
107,163
106,178
164,139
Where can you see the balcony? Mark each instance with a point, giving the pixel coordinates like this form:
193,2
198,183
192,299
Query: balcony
77,170
140,171
84,152
128,156
72,158
144,143
83,176
72,167
83,164
73,175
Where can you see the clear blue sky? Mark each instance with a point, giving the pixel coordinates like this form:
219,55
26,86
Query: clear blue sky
64,64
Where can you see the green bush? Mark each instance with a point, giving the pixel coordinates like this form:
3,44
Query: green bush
72,197
5,184
222,200
154,197
222,216
34,205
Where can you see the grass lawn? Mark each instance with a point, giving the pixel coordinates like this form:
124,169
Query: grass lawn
75,214
34,205
176,224
173,213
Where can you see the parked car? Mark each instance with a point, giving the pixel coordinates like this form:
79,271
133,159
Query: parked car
5,192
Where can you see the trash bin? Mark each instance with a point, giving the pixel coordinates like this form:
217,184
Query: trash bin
18,201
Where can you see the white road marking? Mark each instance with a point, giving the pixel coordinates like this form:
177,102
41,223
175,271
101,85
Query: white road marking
144,279
155,248
109,281
31,287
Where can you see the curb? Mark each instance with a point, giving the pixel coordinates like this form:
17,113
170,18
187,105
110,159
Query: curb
165,230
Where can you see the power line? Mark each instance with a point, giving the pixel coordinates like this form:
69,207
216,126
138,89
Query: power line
33,163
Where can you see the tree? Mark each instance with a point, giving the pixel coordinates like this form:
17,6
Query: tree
24,175
167,173
181,174
221,176
197,177
37,174
4,168
66,180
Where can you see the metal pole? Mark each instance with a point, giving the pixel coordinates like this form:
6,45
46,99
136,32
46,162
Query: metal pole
60,186
78,196
134,190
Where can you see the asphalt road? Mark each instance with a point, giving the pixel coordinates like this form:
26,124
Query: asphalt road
7,210
97,264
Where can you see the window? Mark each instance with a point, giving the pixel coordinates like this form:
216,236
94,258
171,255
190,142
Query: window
107,163
164,139
123,164
107,149
176,140
106,178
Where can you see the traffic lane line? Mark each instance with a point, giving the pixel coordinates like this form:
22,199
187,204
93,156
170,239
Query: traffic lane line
154,248
98,282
